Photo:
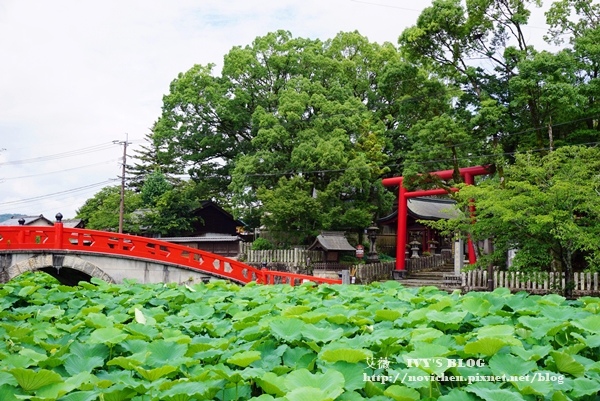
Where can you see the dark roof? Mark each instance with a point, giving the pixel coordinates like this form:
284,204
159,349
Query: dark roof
207,204
73,223
426,209
432,208
332,241
29,221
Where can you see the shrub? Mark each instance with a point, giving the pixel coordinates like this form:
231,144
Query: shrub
262,244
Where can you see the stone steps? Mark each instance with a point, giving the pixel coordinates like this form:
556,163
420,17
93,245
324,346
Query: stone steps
429,278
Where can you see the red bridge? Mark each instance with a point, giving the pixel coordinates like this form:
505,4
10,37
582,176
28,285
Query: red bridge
72,255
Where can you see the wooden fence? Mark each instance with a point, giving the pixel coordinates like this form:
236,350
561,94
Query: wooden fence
294,257
540,283
370,272
414,265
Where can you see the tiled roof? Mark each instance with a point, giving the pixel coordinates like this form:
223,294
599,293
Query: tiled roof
29,220
426,209
432,208
332,241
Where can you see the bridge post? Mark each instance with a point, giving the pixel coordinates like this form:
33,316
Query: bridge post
58,231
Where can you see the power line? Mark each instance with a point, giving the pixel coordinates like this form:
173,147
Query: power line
71,153
68,191
57,171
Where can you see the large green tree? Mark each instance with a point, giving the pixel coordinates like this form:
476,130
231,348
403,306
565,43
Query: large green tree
292,111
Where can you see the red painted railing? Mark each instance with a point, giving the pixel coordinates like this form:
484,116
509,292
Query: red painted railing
58,237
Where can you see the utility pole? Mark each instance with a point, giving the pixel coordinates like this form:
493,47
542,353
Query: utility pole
124,164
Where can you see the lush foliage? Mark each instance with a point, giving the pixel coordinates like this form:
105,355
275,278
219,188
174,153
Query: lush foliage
160,207
261,244
546,207
218,341
101,212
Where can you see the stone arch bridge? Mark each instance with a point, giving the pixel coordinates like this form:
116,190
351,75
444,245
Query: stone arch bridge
72,255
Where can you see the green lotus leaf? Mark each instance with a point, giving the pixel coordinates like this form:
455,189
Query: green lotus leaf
387,314
582,386
402,393
156,373
458,394
108,335
500,330
287,329
81,396
119,394
331,382
427,350
534,387
145,331
321,335
127,363
313,317
32,355
193,389
590,323
200,311
552,299
295,310
486,346
567,364
31,380
8,392
425,334
308,394
272,384
75,364
351,355
476,306
89,350
162,351
299,357
98,321
490,392
337,319
24,292
506,364
535,353
353,374
447,318
244,358
264,397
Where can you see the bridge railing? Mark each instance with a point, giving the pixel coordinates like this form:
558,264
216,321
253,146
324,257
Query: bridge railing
58,237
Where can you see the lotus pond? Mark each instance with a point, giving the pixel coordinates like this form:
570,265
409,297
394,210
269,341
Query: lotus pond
220,341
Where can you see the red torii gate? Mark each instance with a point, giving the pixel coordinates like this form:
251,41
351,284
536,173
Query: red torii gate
403,195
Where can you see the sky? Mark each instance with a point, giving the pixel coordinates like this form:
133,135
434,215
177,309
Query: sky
78,75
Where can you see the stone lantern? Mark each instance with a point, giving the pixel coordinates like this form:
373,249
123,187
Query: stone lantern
414,247
372,235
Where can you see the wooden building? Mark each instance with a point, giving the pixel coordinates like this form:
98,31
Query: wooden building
215,231
333,244
421,209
